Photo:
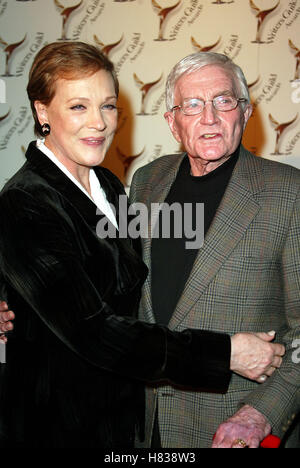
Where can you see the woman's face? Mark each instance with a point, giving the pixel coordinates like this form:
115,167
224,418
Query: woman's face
83,120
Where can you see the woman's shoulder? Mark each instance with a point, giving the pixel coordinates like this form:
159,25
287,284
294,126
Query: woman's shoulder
105,175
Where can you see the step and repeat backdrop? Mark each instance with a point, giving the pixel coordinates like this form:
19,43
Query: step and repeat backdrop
144,39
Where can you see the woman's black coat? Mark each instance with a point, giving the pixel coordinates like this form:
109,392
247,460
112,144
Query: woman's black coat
77,357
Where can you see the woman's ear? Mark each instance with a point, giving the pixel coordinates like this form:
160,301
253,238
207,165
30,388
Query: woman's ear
41,111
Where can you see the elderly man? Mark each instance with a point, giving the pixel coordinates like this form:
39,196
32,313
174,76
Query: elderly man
246,276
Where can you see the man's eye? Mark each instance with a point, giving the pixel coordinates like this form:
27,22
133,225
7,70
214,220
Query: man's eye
224,99
194,103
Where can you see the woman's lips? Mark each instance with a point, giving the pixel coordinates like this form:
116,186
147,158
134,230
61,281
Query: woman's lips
91,141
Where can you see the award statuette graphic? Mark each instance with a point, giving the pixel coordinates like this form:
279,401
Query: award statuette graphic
127,161
144,88
297,55
163,13
261,16
279,129
205,48
106,48
3,117
65,13
221,2
8,50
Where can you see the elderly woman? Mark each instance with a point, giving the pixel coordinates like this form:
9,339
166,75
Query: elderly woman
78,357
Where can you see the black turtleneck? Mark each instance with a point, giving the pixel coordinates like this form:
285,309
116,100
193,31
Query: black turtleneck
171,261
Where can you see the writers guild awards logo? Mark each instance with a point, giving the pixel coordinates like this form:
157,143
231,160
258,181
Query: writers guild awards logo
8,50
127,162
3,117
106,48
254,83
2,92
144,88
65,13
205,48
261,16
163,14
280,129
221,2
296,52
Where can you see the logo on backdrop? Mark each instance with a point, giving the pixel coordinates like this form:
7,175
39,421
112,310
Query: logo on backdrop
9,50
145,88
261,16
65,13
221,2
280,128
3,117
204,48
127,162
163,14
107,48
2,92
296,52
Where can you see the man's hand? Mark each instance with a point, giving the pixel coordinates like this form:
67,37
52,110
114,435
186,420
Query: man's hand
254,357
247,428
6,316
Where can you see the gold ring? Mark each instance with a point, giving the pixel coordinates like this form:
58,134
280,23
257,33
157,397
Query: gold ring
240,442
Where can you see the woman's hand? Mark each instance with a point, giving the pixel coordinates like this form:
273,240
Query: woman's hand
6,316
254,356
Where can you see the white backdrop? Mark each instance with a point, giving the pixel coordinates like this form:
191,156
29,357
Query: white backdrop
145,38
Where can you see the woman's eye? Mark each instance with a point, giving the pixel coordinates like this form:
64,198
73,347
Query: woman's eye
110,107
78,107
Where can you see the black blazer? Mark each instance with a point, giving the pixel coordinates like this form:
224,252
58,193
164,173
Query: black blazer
77,357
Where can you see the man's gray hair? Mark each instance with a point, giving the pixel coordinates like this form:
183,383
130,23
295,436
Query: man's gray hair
195,62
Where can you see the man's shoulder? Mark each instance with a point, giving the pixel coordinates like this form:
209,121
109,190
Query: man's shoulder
274,173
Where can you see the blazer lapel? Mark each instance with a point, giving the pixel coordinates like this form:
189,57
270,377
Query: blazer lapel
236,212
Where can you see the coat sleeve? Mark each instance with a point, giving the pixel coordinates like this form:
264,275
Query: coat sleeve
40,259
279,398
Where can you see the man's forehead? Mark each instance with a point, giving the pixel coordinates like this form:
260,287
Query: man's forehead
210,77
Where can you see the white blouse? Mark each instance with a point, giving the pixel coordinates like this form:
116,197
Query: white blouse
98,195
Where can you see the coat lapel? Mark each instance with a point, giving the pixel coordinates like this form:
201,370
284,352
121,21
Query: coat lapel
236,212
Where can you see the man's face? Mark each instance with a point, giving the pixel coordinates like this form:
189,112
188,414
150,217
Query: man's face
212,136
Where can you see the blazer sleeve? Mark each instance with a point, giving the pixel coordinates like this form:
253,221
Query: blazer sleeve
279,398
40,259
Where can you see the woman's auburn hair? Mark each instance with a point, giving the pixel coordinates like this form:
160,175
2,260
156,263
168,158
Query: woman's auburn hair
67,60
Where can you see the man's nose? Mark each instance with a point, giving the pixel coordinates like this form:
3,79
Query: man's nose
209,114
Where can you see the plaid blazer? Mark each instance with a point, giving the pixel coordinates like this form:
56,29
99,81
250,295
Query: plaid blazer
246,278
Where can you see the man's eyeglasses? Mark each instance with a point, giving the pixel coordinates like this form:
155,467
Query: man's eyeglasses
195,106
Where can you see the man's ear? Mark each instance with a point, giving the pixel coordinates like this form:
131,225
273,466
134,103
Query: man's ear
169,116
41,111
247,114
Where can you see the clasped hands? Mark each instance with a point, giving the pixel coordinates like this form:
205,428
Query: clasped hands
253,356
